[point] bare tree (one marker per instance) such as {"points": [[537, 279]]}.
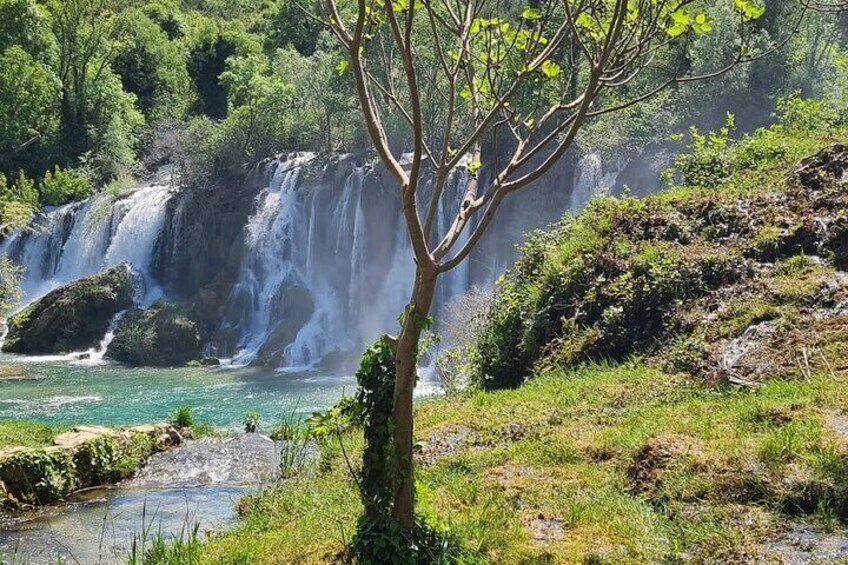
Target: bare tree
{"points": [[515, 82]]}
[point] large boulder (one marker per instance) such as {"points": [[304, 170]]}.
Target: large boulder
{"points": [[72, 317], [293, 307], [163, 335]]}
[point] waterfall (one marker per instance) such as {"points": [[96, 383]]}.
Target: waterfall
{"points": [[81, 239], [327, 266], [591, 181], [307, 262]]}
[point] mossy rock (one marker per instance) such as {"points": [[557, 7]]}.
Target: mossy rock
{"points": [[72, 317], [44, 475], [163, 335]]}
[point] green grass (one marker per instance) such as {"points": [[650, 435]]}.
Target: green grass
{"points": [[617, 464], [27, 434]]}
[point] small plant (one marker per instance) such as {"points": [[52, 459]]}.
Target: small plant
{"points": [[251, 421], [203, 430], [181, 418], [155, 548], [293, 452], [380, 539], [294, 436], [338, 419]]}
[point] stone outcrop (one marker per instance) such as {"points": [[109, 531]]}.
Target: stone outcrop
{"points": [[829, 164], [293, 306], [84, 457], [72, 317], [163, 335]]}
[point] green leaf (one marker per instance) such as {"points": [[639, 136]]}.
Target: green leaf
{"points": [[681, 17], [677, 29], [531, 14], [474, 166], [585, 20], [342, 66], [550, 69], [750, 9]]}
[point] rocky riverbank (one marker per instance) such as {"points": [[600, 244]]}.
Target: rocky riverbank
{"points": [[84, 457]]}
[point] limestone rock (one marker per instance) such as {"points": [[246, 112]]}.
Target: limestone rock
{"points": [[163, 335], [79, 435], [72, 317]]}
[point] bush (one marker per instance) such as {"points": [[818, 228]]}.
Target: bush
{"points": [[603, 286], [707, 160], [61, 186], [381, 540]]}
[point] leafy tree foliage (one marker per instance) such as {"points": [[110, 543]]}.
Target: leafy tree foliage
{"points": [[152, 67], [30, 96], [290, 27]]}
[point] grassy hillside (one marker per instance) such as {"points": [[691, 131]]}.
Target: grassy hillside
{"points": [[675, 385]]}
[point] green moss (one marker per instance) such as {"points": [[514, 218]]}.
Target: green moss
{"points": [[43, 475], [740, 315], [162, 335]]}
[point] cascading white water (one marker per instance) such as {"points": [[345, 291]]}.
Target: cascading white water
{"points": [[81, 239], [591, 181], [344, 245], [325, 265]]}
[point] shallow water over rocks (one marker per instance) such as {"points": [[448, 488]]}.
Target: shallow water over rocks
{"points": [[198, 484]]}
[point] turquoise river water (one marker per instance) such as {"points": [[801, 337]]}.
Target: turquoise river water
{"points": [[200, 486], [57, 391]]}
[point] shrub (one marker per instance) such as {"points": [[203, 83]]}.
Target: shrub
{"points": [[61, 186], [602, 286], [182, 418], [380, 539], [707, 160]]}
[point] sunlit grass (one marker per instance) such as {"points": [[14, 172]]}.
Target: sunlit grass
{"points": [[27, 434], [546, 472]]}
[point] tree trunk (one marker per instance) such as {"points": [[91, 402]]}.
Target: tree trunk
{"points": [[406, 359]]}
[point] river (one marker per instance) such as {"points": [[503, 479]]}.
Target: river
{"points": [[195, 485]]}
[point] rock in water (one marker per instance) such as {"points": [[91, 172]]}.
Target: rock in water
{"points": [[163, 335], [72, 317], [292, 306]]}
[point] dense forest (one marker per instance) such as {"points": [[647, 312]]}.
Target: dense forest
{"points": [[94, 91]]}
